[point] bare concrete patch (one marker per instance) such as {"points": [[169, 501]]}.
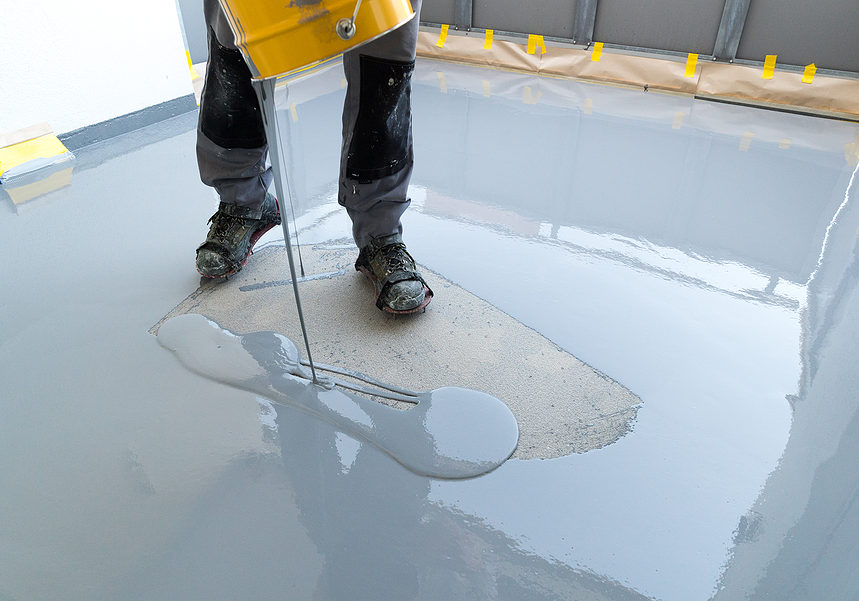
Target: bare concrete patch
{"points": [[562, 405]]}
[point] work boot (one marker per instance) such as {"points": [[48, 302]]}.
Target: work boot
{"points": [[399, 286], [233, 232]]}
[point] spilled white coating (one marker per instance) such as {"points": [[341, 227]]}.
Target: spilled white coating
{"points": [[450, 432]]}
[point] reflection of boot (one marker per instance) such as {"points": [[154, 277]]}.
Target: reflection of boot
{"points": [[399, 286], [233, 232]]}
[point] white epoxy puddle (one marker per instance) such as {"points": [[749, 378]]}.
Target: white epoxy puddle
{"points": [[449, 433]]}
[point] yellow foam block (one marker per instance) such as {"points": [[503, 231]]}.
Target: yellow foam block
{"points": [[55, 181], [43, 147]]}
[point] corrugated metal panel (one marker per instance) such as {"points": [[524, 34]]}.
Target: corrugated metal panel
{"points": [[546, 17], [438, 11], [681, 25], [824, 32]]}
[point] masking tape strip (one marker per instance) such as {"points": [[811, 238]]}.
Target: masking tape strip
{"points": [[691, 63], [534, 42], [597, 53], [191, 69], [487, 41], [769, 66], [442, 82], [442, 38], [43, 147], [528, 96], [808, 74]]}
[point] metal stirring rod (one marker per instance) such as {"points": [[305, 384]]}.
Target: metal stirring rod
{"points": [[265, 92]]}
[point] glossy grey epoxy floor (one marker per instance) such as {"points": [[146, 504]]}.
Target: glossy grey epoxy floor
{"points": [[702, 255]]}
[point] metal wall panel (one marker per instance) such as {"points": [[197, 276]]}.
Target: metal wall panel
{"points": [[195, 28], [544, 17], [438, 11], [681, 25], [823, 32]]}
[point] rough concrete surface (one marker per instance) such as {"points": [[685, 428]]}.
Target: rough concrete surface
{"points": [[562, 405]]}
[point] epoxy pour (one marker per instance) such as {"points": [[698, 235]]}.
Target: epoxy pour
{"points": [[449, 433]]}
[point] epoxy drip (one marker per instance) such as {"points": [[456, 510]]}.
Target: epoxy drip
{"points": [[450, 433]]}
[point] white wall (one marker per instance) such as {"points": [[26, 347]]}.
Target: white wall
{"points": [[77, 63]]}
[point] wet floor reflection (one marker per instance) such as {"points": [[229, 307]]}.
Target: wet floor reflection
{"points": [[669, 243], [449, 432], [703, 255], [327, 518]]}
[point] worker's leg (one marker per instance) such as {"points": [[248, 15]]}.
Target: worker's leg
{"points": [[231, 144], [376, 164], [376, 160], [231, 154]]}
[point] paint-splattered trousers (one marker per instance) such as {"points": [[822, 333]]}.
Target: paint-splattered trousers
{"points": [[376, 158]]}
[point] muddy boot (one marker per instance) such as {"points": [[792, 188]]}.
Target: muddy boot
{"points": [[233, 232], [399, 286]]}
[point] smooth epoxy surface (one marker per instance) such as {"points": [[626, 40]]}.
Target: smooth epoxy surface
{"points": [[449, 432], [703, 255]]}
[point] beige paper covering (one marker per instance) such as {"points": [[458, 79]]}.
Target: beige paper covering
{"points": [[830, 96]]}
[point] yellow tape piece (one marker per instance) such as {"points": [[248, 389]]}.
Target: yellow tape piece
{"points": [[43, 147], [294, 112], [487, 41], [534, 42], [442, 38], [691, 63], [191, 69], [528, 96], [487, 90], [784, 143], [442, 82], [769, 66], [678, 120], [597, 53], [851, 152], [808, 74], [746, 141]]}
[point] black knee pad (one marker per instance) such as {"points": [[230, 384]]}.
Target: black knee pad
{"points": [[229, 110], [381, 140]]}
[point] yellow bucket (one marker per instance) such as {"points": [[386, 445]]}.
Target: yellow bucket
{"points": [[278, 37]]}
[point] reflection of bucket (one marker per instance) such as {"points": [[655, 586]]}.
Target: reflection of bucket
{"points": [[278, 37]]}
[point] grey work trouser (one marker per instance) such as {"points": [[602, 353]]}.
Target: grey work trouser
{"points": [[376, 156]]}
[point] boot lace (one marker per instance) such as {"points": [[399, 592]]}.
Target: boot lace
{"points": [[397, 258], [224, 226]]}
